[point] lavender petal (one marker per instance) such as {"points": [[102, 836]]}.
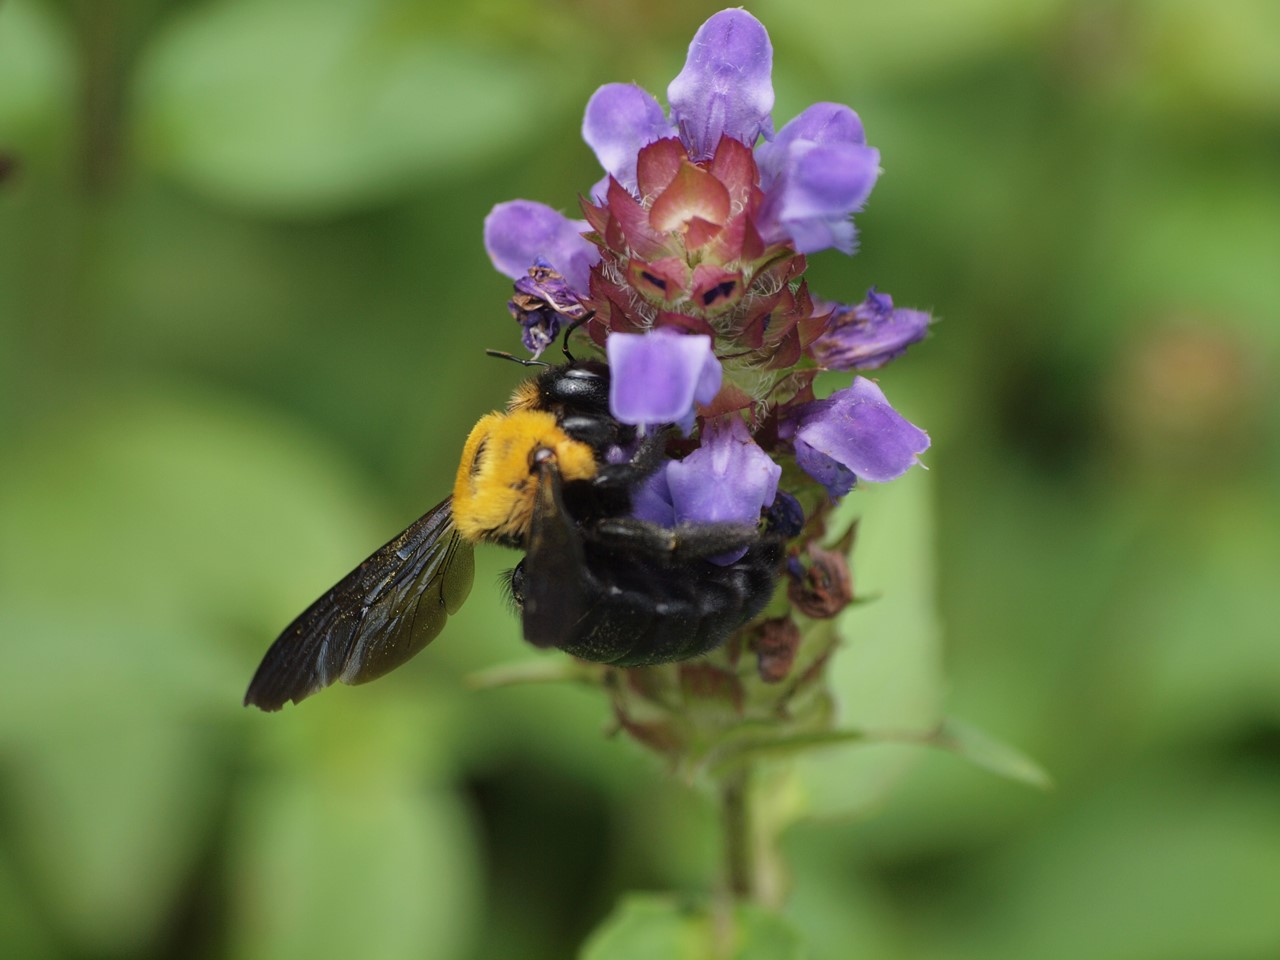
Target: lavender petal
{"points": [[728, 479], [725, 86], [853, 433], [520, 232], [656, 377], [821, 124], [817, 188], [620, 119]]}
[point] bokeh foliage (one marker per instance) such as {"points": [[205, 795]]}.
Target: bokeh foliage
{"points": [[243, 303]]}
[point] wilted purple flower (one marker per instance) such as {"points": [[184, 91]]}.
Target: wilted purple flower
{"points": [[868, 335], [657, 377], [853, 434], [519, 233], [542, 302]]}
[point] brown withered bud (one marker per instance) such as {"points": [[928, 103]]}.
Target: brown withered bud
{"points": [[825, 587], [775, 643], [8, 165]]}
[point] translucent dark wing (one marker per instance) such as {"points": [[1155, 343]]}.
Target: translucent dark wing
{"points": [[377, 617], [554, 585]]}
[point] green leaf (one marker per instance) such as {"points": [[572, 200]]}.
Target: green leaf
{"points": [[646, 926], [989, 753], [304, 108]]}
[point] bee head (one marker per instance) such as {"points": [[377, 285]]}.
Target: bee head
{"points": [[497, 481]]}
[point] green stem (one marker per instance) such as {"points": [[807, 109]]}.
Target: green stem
{"points": [[739, 840]]}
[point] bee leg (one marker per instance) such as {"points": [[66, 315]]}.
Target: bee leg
{"points": [[705, 540], [693, 541], [649, 455]]}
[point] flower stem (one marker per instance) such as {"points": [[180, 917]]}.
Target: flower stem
{"points": [[739, 842]]}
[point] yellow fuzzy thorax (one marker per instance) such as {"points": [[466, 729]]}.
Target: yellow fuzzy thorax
{"points": [[527, 396], [497, 482]]}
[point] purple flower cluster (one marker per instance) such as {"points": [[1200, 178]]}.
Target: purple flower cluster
{"points": [[688, 269]]}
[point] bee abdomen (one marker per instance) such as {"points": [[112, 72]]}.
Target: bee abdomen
{"points": [[638, 615]]}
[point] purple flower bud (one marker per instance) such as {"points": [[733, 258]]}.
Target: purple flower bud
{"points": [[853, 434], [520, 232], [817, 172], [868, 335], [725, 86], [620, 119], [657, 377]]}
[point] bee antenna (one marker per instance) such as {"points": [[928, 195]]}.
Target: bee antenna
{"points": [[584, 319], [503, 355]]}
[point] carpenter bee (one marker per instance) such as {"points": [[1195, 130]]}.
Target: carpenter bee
{"points": [[594, 581]]}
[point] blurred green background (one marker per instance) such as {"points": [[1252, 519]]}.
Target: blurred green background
{"points": [[243, 303]]}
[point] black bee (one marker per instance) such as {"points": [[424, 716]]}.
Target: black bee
{"points": [[594, 581]]}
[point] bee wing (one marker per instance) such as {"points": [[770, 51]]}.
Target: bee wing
{"points": [[375, 618], [554, 590]]}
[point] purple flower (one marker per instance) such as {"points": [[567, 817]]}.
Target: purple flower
{"points": [[519, 233], [853, 434], [868, 335], [725, 86], [813, 176], [657, 377], [816, 173]]}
